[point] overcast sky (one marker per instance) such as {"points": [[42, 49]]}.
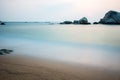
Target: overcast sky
{"points": [[55, 10]]}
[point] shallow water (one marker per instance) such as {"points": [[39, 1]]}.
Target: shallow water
{"points": [[96, 45]]}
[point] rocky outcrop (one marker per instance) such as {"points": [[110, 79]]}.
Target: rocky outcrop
{"points": [[111, 17], [5, 51], [66, 22], [95, 22], [84, 20], [76, 22], [2, 23]]}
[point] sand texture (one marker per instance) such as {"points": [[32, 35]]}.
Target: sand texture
{"points": [[22, 68]]}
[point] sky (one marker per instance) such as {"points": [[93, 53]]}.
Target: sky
{"points": [[55, 10]]}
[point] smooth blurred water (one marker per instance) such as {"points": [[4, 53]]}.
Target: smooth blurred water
{"points": [[97, 45]]}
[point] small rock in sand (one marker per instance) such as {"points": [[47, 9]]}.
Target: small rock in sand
{"points": [[5, 51]]}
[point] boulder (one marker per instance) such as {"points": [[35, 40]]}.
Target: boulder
{"points": [[66, 22], [2, 23], [1, 52], [5, 51], [95, 23], [111, 17], [84, 20], [76, 22]]}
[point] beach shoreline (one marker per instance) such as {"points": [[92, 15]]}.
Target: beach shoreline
{"points": [[14, 67]]}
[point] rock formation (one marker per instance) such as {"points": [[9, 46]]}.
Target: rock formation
{"points": [[2, 23], [111, 17], [5, 51], [66, 22], [76, 22], [95, 22], [84, 20]]}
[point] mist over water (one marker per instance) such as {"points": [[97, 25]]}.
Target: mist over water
{"points": [[96, 45]]}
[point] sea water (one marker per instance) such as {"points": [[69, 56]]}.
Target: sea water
{"points": [[96, 45]]}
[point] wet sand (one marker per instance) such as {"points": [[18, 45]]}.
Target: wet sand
{"points": [[14, 67]]}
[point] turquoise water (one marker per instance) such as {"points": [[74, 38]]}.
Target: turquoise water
{"points": [[96, 45]]}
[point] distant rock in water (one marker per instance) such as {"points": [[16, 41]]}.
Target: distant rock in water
{"points": [[111, 17], [84, 20], [66, 22], [76, 22], [5, 51], [2, 23], [96, 23]]}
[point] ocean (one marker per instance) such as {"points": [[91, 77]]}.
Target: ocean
{"points": [[94, 45]]}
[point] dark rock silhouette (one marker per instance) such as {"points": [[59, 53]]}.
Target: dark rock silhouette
{"points": [[66, 22], [1, 53], [76, 22], [111, 17], [2, 23], [84, 20], [96, 23], [5, 51]]}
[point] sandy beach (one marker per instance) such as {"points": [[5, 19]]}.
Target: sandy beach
{"points": [[24, 68], [59, 40]]}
